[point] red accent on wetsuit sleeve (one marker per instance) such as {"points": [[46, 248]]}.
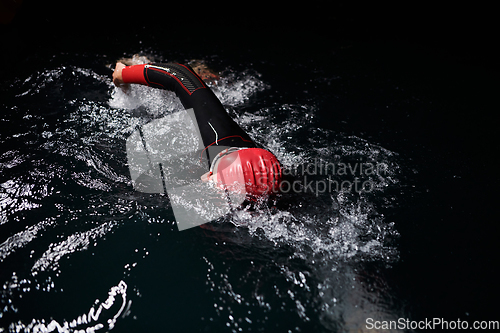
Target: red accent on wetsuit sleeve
{"points": [[134, 74]]}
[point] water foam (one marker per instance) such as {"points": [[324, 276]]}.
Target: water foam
{"points": [[339, 223], [88, 322], [336, 226]]}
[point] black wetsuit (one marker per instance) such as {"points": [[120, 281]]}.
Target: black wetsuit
{"points": [[218, 130]]}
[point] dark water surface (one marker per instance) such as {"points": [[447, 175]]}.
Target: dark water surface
{"points": [[80, 250]]}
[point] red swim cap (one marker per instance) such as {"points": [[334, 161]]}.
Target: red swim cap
{"points": [[253, 171]]}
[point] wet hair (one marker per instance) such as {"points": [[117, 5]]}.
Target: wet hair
{"points": [[206, 73]]}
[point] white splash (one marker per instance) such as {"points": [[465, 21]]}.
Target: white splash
{"points": [[88, 322]]}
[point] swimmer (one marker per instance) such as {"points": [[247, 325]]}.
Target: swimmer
{"points": [[236, 162]]}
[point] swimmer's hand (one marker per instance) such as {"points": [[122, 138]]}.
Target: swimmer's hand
{"points": [[117, 75]]}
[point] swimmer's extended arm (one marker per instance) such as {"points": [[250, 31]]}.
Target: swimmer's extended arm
{"points": [[174, 77]]}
